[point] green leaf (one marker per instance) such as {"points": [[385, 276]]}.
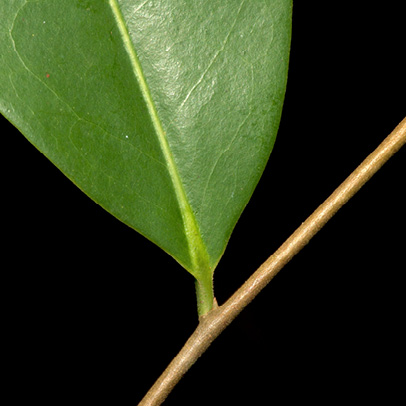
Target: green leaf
{"points": [[163, 112]]}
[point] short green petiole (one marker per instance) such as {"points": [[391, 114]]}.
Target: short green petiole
{"points": [[205, 295]]}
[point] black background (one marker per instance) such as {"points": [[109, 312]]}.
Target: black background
{"points": [[94, 312]]}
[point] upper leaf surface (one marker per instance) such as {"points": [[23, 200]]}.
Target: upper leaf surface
{"points": [[164, 112]]}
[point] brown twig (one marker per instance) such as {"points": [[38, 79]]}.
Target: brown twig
{"points": [[218, 319]]}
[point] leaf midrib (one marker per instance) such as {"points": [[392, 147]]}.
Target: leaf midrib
{"points": [[197, 249]]}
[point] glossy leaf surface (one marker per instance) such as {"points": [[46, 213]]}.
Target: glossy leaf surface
{"points": [[163, 112]]}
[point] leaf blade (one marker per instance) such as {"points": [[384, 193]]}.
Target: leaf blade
{"points": [[154, 150]]}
